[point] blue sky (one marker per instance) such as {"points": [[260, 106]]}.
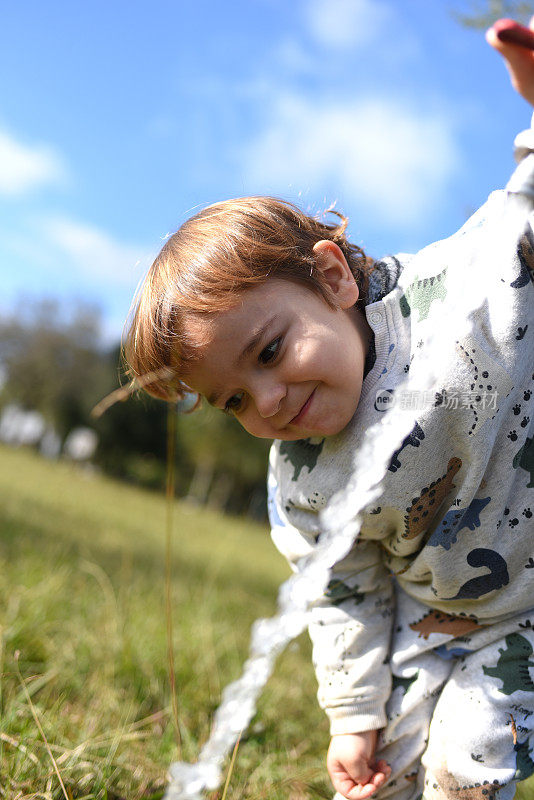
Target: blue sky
{"points": [[119, 119]]}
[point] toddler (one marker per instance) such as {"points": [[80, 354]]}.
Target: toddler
{"points": [[424, 641]]}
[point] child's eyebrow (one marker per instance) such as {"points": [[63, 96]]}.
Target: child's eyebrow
{"points": [[256, 338]]}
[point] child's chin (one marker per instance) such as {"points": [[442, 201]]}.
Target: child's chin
{"points": [[334, 426], [321, 432]]}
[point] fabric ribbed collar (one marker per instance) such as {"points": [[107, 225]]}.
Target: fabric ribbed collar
{"points": [[382, 281], [383, 278]]}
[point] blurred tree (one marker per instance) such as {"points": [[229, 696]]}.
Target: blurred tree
{"points": [[52, 360], [132, 435], [230, 464], [217, 462], [483, 13]]}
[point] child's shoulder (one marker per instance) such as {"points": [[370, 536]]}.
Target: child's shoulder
{"points": [[454, 250]]}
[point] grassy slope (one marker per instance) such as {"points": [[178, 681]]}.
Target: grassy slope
{"points": [[82, 599], [81, 588]]}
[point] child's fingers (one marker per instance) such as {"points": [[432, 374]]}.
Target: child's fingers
{"points": [[519, 61], [348, 783], [361, 791], [383, 771], [351, 790]]}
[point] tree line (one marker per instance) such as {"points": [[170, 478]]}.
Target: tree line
{"points": [[52, 361]]}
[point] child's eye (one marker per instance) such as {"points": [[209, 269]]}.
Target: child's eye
{"points": [[234, 403], [270, 352]]}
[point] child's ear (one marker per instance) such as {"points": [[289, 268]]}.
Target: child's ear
{"points": [[332, 263]]}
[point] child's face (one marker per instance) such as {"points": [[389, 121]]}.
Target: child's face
{"points": [[283, 362]]}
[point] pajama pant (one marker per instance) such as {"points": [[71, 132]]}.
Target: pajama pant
{"points": [[461, 711]]}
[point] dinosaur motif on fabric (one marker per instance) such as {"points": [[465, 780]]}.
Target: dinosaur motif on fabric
{"points": [[525, 255], [421, 293], [435, 621], [423, 508], [524, 765], [446, 786], [414, 438], [524, 458], [301, 453], [337, 592], [445, 533], [316, 500], [512, 667], [455, 520], [489, 383], [471, 518], [449, 653], [495, 579], [404, 682]]}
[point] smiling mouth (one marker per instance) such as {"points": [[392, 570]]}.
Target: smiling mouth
{"points": [[303, 411]]}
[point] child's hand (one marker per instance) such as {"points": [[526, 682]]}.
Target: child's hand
{"points": [[519, 61], [352, 767]]}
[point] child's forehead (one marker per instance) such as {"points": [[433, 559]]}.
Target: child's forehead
{"points": [[199, 331], [249, 311]]}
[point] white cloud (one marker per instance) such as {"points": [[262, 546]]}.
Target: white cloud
{"points": [[94, 253], [24, 168], [58, 256], [385, 157], [348, 23]]}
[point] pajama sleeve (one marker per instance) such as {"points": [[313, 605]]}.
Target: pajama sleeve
{"points": [[350, 626]]}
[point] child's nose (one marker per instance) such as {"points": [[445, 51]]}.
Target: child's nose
{"points": [[268, 398]]}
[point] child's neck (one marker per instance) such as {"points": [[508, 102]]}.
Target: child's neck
{"points": [[368, 340]]}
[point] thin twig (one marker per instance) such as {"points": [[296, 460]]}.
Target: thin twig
{"points": [[39, 726]]}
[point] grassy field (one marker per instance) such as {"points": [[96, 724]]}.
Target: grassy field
{"points": [[84, 642], [84, 686]]}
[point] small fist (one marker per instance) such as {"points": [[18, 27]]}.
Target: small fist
{"points": [[352, 767]]}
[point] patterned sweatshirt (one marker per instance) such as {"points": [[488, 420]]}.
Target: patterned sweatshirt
{"points": [[455, 522]]}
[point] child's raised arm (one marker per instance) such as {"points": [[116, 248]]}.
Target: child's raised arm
{"points": [[516, 44]]}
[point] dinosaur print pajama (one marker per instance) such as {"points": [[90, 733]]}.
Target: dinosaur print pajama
{"points": [[425, 631], [460, 715]]}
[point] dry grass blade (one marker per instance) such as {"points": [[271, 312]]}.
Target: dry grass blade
{"points": [[158, 716], [171, 441], [231, 767], [103, 741], [39, 726], [123, 392], [19, 746], [132, 733]]}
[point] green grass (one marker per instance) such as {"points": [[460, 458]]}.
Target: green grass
{"points": [[83, 643], [82, 599]]}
